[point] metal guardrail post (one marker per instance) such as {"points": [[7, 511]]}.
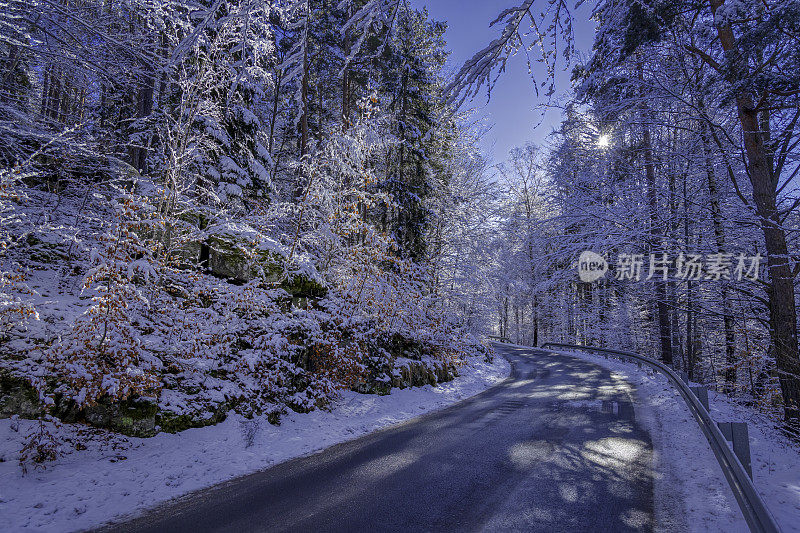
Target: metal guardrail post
{"points": [[739, 475], [736, 433], [741, 445], [702, 395]]}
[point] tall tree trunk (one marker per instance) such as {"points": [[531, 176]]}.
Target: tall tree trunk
{"points": [[144, 107], [274, 116], [51, 95], [304, 97], [46, 80], [346, 79], [783, 326], [345, 99], [677, 347], [691, 360], [662, 309], [719, 237], [300, 186], [8, 89]]}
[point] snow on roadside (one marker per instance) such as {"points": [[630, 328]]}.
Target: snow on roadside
{"points": [[125, 475], [688, 474], [775, 460]]}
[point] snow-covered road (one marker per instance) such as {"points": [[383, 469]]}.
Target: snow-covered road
{"points": [[556, 448]]}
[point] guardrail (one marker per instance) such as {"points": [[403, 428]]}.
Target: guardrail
{"points": [[755, 512]]}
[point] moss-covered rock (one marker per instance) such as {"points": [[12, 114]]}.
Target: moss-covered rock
{"points": [[18, 397], [381, 388], [401, 346], [228, 260], [172, 422], [420, 373], [135, 417], [42, 251], [302, 287], [444, 372]]}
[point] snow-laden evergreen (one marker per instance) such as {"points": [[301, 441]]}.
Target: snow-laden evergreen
{"points": [[216, 206]]}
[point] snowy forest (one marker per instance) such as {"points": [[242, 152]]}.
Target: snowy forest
{"points": [[217, 205], [229, 205], [680, 142]]}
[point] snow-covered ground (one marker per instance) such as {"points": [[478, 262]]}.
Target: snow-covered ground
{"points": [[118, 476], [691, 491]]}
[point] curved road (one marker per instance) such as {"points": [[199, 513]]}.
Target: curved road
{"points": [[553, 448]]}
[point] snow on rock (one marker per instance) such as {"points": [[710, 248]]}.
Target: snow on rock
{"points": [[691, 492], [117, 476]]}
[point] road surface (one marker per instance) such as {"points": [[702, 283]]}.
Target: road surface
{"points": [[555, 447]]}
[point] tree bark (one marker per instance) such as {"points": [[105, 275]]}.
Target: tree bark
{"points": [[691, 360], [719, 236], [346, 81], [783, 326], [8, 90], [144, 106], [304, 97], [655, 234]]}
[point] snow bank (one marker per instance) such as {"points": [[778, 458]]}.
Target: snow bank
{"points": [[691, 492], [117, 476]]}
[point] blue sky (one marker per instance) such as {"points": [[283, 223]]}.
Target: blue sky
{"points": [[512, 108]]}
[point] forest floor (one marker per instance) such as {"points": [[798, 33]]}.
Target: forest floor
{"points": [[689, 474], [121, 476]]}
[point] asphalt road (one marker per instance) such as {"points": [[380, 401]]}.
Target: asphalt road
{"points": [[553, 448]]}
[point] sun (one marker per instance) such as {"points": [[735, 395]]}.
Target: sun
{"points": [[603, 141]]}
